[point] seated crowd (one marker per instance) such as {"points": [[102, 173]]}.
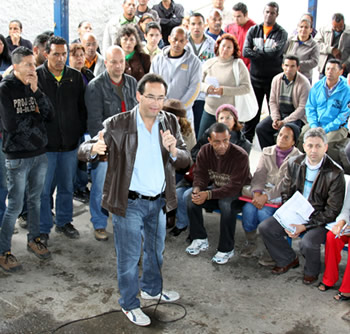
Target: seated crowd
{"points": [[207, 74]]}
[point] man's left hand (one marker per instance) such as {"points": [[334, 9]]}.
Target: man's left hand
{"points": [[200, 197], [298, 230], [169, 142]]}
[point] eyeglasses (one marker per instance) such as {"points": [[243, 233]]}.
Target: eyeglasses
{"points": [[155, 98]]}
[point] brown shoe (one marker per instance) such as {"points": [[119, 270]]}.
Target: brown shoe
{"points": [[281, 270], [309, 279], [101, 234], [8, 262], [38, 249]]}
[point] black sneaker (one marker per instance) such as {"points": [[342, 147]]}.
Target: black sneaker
{"points": [[68, 230], [44, 238], [82, 196]]}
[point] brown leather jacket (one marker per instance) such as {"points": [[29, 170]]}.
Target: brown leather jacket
{"points": [[121, 139], [327, 192]]}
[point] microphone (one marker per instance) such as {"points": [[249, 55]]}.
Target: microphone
{"points": [[161, 118]]}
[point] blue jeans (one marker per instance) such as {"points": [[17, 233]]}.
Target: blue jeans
{"points": [[147, 219], [206, 121], [61, 167], [81, 177], [198, 107], [21, 174], [181, 213], [3, 185], [99, 215], [252, 217]]}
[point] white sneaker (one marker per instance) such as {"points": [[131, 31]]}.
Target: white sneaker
{"points": [[167, 296], [197, 246], [222, 258], [137, 317]]}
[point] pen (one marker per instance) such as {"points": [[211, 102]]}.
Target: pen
{"points": [[341, 231]]}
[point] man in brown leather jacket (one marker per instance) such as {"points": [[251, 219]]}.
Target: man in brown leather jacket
{"points": [[319, 179], [144, 148]]}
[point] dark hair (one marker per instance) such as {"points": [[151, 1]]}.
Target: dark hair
{"points": [[19, 53], [335, 61], [54, 40], [82, 22], [198, 15], [152, 78], [240, 7], [5, 56], [291, 57], [337, 17], [49, 33], [41, 40], [218, 128], [152, 25], [236, 51], [274, 5], [128, 30], [18, 22]]}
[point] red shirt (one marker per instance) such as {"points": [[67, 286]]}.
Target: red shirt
{"points": [[240, 32]]}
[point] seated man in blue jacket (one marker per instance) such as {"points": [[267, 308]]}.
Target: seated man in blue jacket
{"points": [[327, 107]]}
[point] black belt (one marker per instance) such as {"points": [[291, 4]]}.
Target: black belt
{"points": [[135, 195]]}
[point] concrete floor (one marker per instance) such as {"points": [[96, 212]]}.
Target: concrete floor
{"points": [[239, 298]]}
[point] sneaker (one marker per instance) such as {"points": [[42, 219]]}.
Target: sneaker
{"points": [[137, 317], [167, 296], [8, 262], [22, 221], [101, 234], [222, 258], [39, 249], [197, 246], [68, 230], [82, 196], [44, 238]]}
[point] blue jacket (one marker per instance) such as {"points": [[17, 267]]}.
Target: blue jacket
{"points": [[330, 113]]}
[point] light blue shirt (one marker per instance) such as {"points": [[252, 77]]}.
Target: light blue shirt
{"points": [[310, 177], [148, 177]]}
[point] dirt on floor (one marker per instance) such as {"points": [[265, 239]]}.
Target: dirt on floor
{"points": [[80, 282]]}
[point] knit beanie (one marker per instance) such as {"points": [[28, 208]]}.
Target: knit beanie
{"points": [[228, 107], [294, 128]]}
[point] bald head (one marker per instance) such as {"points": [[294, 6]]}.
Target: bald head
{"points": [[178, 30], [90, 44], [115, 62]]}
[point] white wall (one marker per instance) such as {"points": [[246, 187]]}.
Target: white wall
{"points": [[37, 15]]}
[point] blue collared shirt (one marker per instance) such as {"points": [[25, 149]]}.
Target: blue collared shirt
{"points": [[148, 177], [329, 92]]}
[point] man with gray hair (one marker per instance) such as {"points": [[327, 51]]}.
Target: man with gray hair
{"points": [[111, 93], [180, 68], [321, 181]]}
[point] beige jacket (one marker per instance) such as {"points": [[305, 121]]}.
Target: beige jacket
{"points": [[268, 177], [299, 97], [324, 39]]}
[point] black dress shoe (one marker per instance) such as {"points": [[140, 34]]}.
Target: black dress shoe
{"points": [[177, 231]]}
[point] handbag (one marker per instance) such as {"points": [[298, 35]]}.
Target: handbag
{"points": [[246, 105]]}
